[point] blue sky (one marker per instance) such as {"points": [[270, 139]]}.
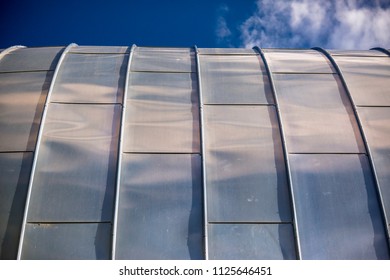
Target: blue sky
{"points": [[346, 24]]}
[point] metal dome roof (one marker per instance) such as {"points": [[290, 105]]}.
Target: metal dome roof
{"points": [[194, 153]]}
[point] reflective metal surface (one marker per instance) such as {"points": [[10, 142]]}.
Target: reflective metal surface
{"points": [[317, 114], [31, 59], [337, 207], [67, 242], [76, 167], [297, 61], [148, 121], [178, 88], [251, 242], [224, 51], [368, 79], [152, 160], [14, 175], [234, 79], [356, 53], [90, 78], [160, 207], [376, 126], [99, 49], [163, 60], [246, 177], [22, 97]]}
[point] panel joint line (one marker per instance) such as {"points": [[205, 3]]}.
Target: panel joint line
{"points": [[120, 155], [202, 134], [383, 50]]}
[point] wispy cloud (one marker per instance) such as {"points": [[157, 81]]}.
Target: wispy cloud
{"points": [[344, 24], [222, 31]]}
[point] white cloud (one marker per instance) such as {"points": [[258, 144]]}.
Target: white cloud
{"points": [[344, 24], [222, 31]]}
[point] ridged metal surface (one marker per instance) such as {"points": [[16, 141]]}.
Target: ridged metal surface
{"points": [[194, 153]]}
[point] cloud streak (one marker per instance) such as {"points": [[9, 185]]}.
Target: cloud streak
{"points": [[335, 24], [222, 31]]}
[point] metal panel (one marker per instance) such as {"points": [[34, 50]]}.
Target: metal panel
{"points": [[67, 242], [317, 114], [99, 49], [356, 53], [180, 88], [14, 175], [251, 242], [90, 78], [164, 50], [234, 79], [160, 126], [368, 79], [21, 104], [227, 51], [160, 207], [163, 60], [337, 207], [297, 61], [76, 166], [246, 177], [376, 126], [31, 59]]}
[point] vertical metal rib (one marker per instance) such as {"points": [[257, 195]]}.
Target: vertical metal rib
{"points": [[37, 146], [10, 49], [119, 164], [285, 152], [367, 147], [205, 223], [381, 50]]}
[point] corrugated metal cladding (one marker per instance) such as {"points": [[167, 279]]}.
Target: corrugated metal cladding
{"points": [[187, 153]]}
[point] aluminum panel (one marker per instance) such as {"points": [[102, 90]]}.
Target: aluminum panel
{"points": [[376, 126], [297, 61], [337, 208], [76, 167], [90, 78], [22, 99], [161, 127], [368, 79], [180, 88], [160, 207], [356, 53], [234, 79], [14, 177], [165, 50], [251, 242], [317, 114], [67, 242], [246, 177], [227, 51], [163, 60], [31, 59], [99, 49]]}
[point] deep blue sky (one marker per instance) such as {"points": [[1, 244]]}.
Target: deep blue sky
{"points": [[145, 23], [346, 24]]}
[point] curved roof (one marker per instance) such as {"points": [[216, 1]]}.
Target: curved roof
{"points": [[194, 153]]}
